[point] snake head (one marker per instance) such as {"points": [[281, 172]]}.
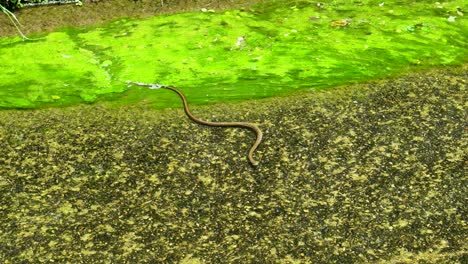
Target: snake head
{"points": [[155, 86]]}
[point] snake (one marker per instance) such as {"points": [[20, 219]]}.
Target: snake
{"points": [[187, 111]]}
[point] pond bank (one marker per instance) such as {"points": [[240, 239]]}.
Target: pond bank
{"points": [[50, 18], [367, 173]]}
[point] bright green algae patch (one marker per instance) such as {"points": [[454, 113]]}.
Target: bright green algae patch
{"points": [[50, 70], [267, 50]]}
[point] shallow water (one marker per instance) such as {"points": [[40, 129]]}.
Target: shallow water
{"points": [[267, 50]]}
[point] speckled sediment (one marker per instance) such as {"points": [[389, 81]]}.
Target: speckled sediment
{"points": [[368, 173]]}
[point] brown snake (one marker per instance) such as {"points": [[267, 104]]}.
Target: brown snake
{"points": [[251, 126]]}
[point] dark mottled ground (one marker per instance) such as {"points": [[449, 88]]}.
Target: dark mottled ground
{"points": [[368, 173]]}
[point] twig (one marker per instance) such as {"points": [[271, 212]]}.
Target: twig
{"points": [[14, 20]]}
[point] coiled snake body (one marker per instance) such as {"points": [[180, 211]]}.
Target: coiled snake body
{"points": [[248, 125]]}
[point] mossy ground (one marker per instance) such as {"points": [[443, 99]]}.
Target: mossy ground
{"points": [[368, 173]]}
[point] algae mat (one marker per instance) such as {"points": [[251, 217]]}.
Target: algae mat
{"points": [[272, 48], [368, 173]]}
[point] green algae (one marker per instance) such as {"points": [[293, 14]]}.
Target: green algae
{"points": [[286, 46]]}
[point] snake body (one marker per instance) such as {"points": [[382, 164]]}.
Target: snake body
{"points": [[247, 125]]}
